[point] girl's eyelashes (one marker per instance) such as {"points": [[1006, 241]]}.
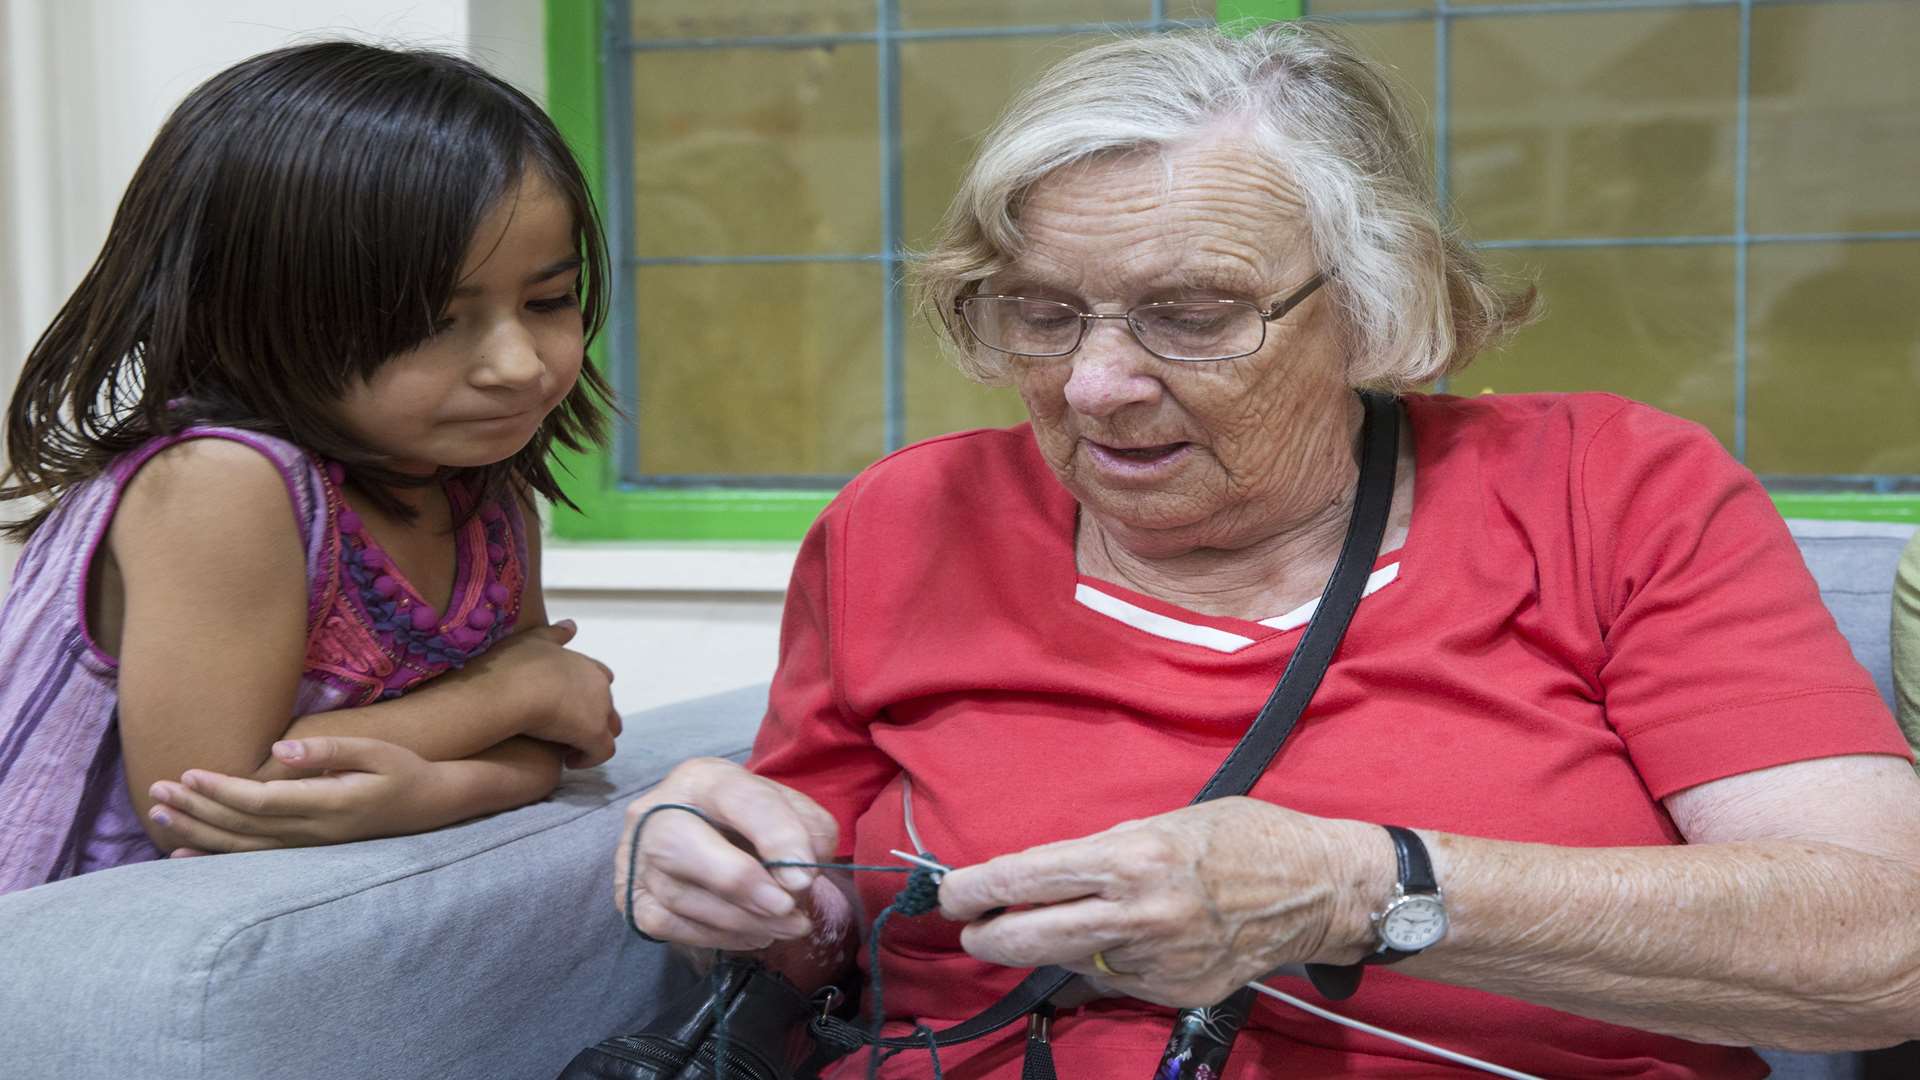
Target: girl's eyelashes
{"points": [[543, 306]]}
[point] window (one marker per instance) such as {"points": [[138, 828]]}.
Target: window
{"points": [[1706, 191]]}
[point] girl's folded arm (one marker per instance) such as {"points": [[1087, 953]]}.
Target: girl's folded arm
{"points": [[520, 769], [212, 609], [527, 685], [497, 696], [209, 626], [369, 788], [514, 773]]}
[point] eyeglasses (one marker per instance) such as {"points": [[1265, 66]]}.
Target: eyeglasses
{"points": [[1186, 331]]}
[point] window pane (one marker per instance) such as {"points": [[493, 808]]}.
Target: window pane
{"points": [[1834, 358], [931, 14], [656, 19], [765, 370], [1345, 7], [1614, 124], [755, 151], [951, 92], [1207, 10], [1650, 323], [1405, 47], [1835, 118], [940, 399], [1564, 124]]}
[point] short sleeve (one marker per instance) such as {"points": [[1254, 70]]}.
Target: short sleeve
{"points": [[1720, 657], [1906, 641], [810, 740]]}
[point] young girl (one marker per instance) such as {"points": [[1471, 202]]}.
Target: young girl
{"points": [[282, 444]]}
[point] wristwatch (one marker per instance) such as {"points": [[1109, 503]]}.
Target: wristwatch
{"points": [[1415, 917]]}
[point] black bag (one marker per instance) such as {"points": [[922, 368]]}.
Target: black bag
{"points": [[774, 1034], [766, 1033]]}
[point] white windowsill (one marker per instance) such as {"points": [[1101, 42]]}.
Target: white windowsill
{"points": [[655, 567]]}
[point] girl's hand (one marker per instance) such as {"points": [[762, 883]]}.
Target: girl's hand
{"points": [[693, 885], [569, 694], [1185, 906], [370, 788]]}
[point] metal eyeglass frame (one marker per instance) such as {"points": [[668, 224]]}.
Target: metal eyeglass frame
{"points": [[1293, 300]]}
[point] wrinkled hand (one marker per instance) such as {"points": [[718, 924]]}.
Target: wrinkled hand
{"points": [[693, 885], [369, 788], [571, 700], [1186, 906]]}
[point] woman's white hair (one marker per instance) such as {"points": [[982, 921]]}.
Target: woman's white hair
{"points": [[1416, 301]]}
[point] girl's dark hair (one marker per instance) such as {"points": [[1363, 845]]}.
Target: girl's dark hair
{"points": [[301, 218]]}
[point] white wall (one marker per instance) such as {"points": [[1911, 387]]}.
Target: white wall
{"points": [[668, 644], [84, 84], [508, 38], [673, 621]]}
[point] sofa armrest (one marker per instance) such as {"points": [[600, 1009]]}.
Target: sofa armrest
{"points": [[488, 949], [1787, 1065]]}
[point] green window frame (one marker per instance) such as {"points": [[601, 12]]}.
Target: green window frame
{"points": [[611, 509]]}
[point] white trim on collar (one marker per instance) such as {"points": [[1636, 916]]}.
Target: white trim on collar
{"points": [[1208, 637], [1376, 581]]}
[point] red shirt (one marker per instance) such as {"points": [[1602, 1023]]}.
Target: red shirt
{"points": [[1595, 608]]}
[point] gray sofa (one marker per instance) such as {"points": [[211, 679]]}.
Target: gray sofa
{"points": [[489, 951]]}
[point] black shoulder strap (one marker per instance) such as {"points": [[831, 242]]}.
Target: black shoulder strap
{"points": [[1380, 444], [1373, 500]]}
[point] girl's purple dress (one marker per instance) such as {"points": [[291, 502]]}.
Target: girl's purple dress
{"points": [[64, 802]]}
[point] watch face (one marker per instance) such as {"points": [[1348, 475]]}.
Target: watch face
{"points": [[1414, 923]]}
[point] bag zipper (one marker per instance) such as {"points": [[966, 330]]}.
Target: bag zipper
{"points": [[654, 1052], [737, 1063]]}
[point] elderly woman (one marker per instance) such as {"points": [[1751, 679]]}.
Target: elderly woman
{"points": [[1667, 813]]}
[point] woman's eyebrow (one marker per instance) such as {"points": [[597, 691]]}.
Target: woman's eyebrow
{"points": [[1209, 281], [1013, 280]]}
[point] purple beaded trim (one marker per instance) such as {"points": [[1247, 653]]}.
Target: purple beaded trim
{"points": [[414, 628]]}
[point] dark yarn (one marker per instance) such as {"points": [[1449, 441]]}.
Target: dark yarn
{"points": [[933, 1052], [920, 895], [922, 891]]}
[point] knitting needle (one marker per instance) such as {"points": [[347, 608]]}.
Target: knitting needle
{"points": [[928, 864], [920, 861]]}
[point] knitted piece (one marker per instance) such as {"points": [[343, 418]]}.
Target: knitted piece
{"points": [[920, 895]]}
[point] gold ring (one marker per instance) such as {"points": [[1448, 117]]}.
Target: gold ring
{"points": [[1100, 965]]}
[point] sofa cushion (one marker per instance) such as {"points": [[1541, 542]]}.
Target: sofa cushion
{"points": [[491, 949], [1853, 563]]}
